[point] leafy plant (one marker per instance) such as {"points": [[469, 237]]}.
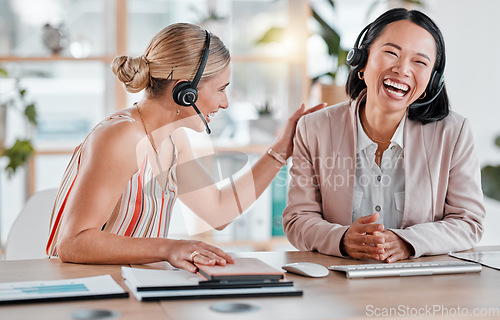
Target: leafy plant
{"points": [[332, 40], [22, 149], [332, 37], [265, 110], [18, 154], [329, 35], [490, 178], [212, 14]]}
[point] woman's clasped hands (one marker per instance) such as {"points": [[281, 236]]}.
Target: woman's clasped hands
{"points": [[366, 239]]}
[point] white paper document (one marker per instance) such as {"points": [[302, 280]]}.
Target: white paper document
{"points": [[147, 278], [60, 290]]}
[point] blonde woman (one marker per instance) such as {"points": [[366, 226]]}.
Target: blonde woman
{"points": [[117, 194]]}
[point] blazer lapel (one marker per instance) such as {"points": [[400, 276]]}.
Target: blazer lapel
{"points": [[418, 183], [344, 150]]}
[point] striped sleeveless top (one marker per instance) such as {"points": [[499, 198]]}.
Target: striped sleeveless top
{"points": [[145, 207]]}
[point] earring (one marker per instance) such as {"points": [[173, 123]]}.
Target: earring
{"points": [[422, 97], [361, 75], [178, 111]]}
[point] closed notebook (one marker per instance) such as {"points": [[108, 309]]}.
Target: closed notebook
{"points": [[155, 295], [179, 279], [243, 269], [152, 285]]}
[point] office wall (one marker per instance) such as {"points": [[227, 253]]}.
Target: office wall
{"points": [[471, 29]]}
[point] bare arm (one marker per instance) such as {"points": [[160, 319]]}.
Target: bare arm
{"points": [[107, 163], [217, 205]]}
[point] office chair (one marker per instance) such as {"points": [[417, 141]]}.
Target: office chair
{"points": [[29, 232]]}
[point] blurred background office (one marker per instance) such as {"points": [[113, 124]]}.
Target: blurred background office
{"points": [[56, 84]]}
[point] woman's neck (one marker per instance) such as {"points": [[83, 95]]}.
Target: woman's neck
{"points": [[380, 126], [159, 120], [157, 113]]}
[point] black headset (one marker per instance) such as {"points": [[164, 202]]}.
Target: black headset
{"points": [[358, 56], [185, 93]]}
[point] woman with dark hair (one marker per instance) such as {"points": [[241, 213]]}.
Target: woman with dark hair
{"points": [[391, 173]]}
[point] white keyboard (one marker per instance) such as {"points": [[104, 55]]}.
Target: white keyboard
{"points": [[401, 269]]}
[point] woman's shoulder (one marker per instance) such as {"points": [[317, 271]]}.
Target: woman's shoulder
{"points": [[452, 122], [454, 119], [449, 130], [325, 115], [122, 122], [119, 131]]}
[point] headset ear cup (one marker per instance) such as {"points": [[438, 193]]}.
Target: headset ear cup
{"points": [[352, 57], [435, 83], [357, 57], [181, 91], [432, 84], [439, 82]]}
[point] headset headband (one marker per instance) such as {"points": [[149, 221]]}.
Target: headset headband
{"points": [[361, 36], [203, 62]]}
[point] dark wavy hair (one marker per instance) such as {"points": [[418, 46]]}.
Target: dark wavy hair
{"points": [[427, 113]]}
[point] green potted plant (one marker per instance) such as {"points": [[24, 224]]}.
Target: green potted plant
{"points": [[490, 178], [22, 149], [332, 41]]}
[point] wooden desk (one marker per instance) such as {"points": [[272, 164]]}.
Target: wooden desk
{"points": [[331, 297]]}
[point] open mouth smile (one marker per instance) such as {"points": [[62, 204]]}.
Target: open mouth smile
{"points": [[210, 115], [395, 88]]}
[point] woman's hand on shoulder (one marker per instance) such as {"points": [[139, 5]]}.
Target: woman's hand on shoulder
{"points": [[184, 253], [284, 145]]}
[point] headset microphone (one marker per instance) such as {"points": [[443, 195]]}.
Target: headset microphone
{"points": [[185, 93], [190, 99], [435, 86], [413, 105]]}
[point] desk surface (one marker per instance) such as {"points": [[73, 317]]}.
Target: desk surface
{"points": [[335, 296]]}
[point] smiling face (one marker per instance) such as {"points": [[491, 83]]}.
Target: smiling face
{"points": [[211, 97], [399, 66]]}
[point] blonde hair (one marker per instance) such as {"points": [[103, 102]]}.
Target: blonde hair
{"points": [[173, 54]]}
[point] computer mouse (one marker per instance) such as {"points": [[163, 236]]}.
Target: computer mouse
{"points": [[307, 269]]}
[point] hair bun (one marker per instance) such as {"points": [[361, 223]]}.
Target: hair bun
{"points": [[133, 72]]}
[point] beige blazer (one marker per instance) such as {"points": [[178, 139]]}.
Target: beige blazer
{"points": [[443, 198]]}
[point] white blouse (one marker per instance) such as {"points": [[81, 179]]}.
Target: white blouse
{"points": [[380, 189]]}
